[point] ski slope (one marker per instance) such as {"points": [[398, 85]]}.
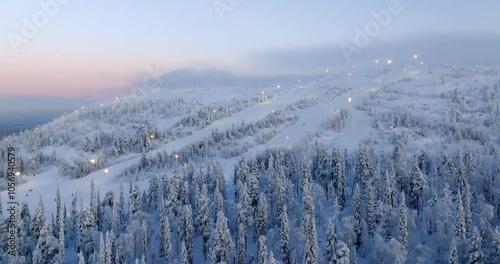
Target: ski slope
{"points": [[311, 121]]}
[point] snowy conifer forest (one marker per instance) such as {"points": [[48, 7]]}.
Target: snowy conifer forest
{"points": [[370, 165]]}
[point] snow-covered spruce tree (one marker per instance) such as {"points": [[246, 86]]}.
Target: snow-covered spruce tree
{"points": [[262, 250], [88, 233], [120, 211], [135, 200], [280, 196], [58, 208], [81, 258], [417, 184], [165, 240], [343, 253], [62, 242], [222, 243], [311, 246], [467, 209], [144, 240], [184, 254], [46, 250], [188, 230], [203, 217], [244, 216], [285, 238], [102, 251], [219, 200], [38, 220], [400, 167], [370, 209], [241, 245], [495, 251], [390, 185], [460, 230], [341, 180], [261, 217], [357, 214], [331, 256], [272, 260], [324, 169], [454, 259], [476, 255], [109, 250], [403, 226]]}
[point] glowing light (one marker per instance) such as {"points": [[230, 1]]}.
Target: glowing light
{"points": [[63, 116], [106, 171], [349, 99], [214, 110], [422, 62], [389, 61], [349, 74], [278, 86], [102, 104], [287, 137], [83, 107], [176, 156], [378, 80], [404, 69], [117, 98], [261, 92], [151, 136], [17, 173], [76, 111], [92, 161], [415, 56], [376, 61], [327, 70]]}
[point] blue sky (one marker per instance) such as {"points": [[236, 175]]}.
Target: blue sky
{"points": [[93, 49]]}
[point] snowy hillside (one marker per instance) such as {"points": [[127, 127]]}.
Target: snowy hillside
{"points": [[370, 165]]}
